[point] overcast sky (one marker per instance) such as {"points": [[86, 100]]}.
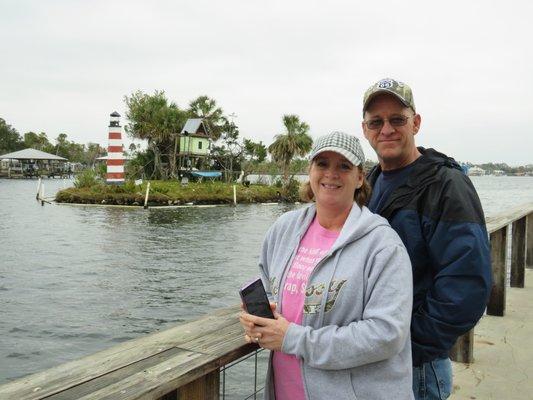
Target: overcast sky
{"points": [[66, 65]]}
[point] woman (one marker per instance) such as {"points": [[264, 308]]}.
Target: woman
{"points": [[341, 279]]}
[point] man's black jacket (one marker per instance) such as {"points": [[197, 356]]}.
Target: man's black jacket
{"points": [[438, 215]]}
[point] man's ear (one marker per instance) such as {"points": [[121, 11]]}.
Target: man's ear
{"points": [[417, 121]]}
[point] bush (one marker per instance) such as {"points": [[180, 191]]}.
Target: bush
{"points": [[85, 179], [291, 192]]}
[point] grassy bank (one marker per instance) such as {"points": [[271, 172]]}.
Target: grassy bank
{"points": [[168, 193]]}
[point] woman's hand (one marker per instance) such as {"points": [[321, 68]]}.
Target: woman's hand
{"points": [[266, 332]]}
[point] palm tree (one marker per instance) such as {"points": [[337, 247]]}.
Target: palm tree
{"points": [[154, 119], [213, 116], [295, 142]]}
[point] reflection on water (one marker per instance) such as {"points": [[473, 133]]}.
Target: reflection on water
{"points": [[75, 280]]}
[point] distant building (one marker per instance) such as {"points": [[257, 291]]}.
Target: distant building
{"points": [[33, 163], [476, 171], [498, 172]]}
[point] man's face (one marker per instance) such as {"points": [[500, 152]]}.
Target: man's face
{"points": [[394, 145]]}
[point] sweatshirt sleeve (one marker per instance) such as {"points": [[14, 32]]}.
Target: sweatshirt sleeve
{"points": [[458, 246], [264, 262], [380, 334]]}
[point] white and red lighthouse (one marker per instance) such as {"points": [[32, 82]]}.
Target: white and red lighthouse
{"points": [[115, 152]]}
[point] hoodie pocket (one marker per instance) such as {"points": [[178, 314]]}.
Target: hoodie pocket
{"points": [[329, 384]]}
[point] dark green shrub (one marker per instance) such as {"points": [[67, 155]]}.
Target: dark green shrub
{"points": [[85, 179]]}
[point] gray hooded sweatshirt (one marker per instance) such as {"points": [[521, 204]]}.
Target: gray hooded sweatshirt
{"points": [[354, 339]]}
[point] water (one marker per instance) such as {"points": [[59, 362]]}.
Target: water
{"points": [[75, 280]]}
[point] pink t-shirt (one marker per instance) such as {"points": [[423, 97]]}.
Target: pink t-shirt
{"points": [[314, 245]]}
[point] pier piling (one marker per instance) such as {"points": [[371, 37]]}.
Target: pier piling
{"points": [[38, 189], [518, 253], [529, 241], [42, 194], [498, 255], [146, 196]]}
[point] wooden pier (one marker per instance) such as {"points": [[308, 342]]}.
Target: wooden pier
{"points": [[520, 220], [184, 362]]}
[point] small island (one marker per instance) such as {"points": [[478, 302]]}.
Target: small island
{"points": [[172, 193]]}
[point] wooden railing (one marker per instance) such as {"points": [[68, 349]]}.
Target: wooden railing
{"points": [[520, 219], [179, 363], [184, 362]]}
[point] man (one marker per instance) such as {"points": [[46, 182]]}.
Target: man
{"points": [[435, 209]]}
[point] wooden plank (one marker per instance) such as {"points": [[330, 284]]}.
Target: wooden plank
{"points": [[62, 377], [463, 349], [96, 384], [502, 219], [206, 387], [529, 240], [157, 381], [518, 253], [217, 342], [498, 254], [226, 344]]}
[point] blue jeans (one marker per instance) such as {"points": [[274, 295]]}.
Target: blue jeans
{"points": [[433, 380]]}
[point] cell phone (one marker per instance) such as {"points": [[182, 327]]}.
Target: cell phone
{"points": [[255, 299]]}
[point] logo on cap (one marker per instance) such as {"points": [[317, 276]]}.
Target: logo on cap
{"points": [[385, 84]]}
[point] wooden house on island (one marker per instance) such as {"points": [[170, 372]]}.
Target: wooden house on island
{"points": [[195, 144]]}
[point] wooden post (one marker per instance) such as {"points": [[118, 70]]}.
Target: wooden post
{"points": [[529, 241], [170, 396], [518, 253], [38, 189], [234, 195], [498, 254], [463, 349], [42, 194], [204, 388], [146, 197]]}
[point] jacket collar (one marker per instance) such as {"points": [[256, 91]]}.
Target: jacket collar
{"points": [[423, 174]]}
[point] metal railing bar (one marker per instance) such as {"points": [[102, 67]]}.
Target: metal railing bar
{"points": [[224, 384], [255, 375], [240, 360], [254, 394]]}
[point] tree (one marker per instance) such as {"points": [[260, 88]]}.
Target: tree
{"points": [[10, 139], [255, 152], [62, 144], [152, 118], [38, 141], [92, 152], [228, 152], [295, 142], [213, 116]]}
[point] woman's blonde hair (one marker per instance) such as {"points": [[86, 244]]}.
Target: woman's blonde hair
{"points": [[361, 195]]}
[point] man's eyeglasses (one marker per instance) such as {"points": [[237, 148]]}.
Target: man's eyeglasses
{"points": [[396, 121]]}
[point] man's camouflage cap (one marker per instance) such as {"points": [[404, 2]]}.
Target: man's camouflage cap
{"points": [[394, 87]]}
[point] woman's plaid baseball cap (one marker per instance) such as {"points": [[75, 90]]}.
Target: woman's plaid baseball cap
{"points": [[341, 143]]}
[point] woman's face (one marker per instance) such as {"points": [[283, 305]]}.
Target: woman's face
{"points": [[333, 180]]}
